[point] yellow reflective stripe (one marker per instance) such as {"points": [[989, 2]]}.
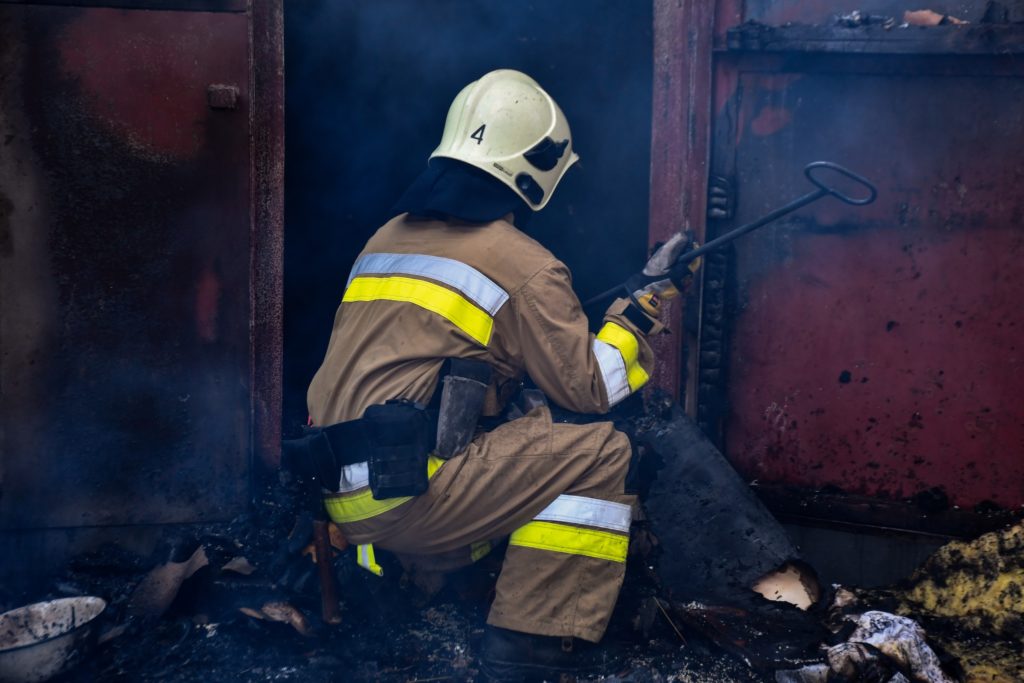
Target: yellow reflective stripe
{"points": [[627, 345], [476, 286], [479, 550], [433, 465], [367, 559], [613, 371], [574, 540], [359, 506], [450, 305]]}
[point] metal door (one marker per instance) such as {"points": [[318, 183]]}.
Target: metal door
{"points": [[139, 267]]}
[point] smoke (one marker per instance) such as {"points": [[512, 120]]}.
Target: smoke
{"points": [[368, 87]]}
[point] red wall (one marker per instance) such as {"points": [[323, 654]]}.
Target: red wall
{"points": [[878, 350]]}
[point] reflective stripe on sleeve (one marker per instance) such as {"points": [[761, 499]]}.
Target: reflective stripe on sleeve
{"points": [[590, 511], [613, 371], [573, 540], [628, 348], [454, 307], [476, 286], [362, 505]]}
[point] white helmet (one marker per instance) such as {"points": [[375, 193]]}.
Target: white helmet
{"points": [[505, 124]]}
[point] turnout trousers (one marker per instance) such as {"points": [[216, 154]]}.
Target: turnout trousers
{"points": [[556, 490]]}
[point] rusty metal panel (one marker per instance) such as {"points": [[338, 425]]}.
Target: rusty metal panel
{"points": [[971, 39], [680, 143], [878, 351], [124, 266], [193, 5], [267, 229], [778, 12]]}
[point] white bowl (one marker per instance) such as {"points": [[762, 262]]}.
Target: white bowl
{"points": [[41, 640]]}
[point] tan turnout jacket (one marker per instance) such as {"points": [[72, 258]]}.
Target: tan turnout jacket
{"points": [[426, 290]]}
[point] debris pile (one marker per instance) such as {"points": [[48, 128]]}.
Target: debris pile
{"points": [[241, 602], [878, 647], [927, 17], [857, 18], [921, 17], [970, 597]]}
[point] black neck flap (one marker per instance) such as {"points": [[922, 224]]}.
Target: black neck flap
{"points": [[451, 189]]}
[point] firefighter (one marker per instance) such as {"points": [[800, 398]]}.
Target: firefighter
{"points": [[451, 277]]}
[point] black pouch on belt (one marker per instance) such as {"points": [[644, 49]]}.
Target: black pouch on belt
{"points": [[401, 436]]}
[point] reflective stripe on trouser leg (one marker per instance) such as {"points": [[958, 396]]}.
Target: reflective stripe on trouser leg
{"points": [[560, 578], [366, 558], [564, 538], [589, 511], [354, 506], [561, 534]]}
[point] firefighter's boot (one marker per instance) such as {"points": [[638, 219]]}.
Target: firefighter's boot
{"points": [[515, 656]]}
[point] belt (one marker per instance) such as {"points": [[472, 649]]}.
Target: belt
{"points": [[323, 451]]}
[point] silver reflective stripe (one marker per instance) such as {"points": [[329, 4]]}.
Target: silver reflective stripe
{"points": [[354, 477], [590, 511], [613, 371], [473, 284]]}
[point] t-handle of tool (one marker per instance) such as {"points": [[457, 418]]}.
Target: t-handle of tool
{"points": [[813, 175], [824, 190], [810, 169]]}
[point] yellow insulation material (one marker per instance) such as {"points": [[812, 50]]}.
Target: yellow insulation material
{"points": [[980, 583], [986, 661], [970, 597]]}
